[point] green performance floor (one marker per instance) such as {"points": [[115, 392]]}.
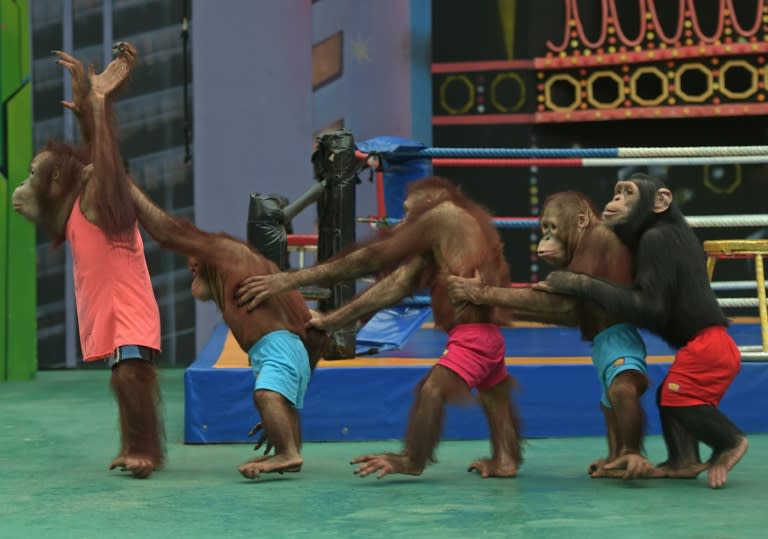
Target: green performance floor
{"points": [[58, 435]]}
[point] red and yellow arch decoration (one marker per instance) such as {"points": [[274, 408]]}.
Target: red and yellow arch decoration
{"points": [[667, 69]]}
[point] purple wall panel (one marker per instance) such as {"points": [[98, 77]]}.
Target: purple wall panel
{"points": [[255, 112], [252, 66]]}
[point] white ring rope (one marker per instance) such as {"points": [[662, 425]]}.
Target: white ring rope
{"points": [[734, 285], [747, 354], [705, 221], [671, 161], [737, 302], [693, 151]]}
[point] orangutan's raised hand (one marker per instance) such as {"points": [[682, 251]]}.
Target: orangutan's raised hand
{"points": [[117, 72], [103, 84], [80, 84], [90, 92]]}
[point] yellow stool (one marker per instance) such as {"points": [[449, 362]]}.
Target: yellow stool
{"points": [[730, 249]]}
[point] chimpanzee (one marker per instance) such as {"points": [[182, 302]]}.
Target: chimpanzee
{"points": [[671, 296]]}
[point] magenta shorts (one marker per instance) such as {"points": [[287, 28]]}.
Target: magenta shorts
{"points": [[476, 353]]}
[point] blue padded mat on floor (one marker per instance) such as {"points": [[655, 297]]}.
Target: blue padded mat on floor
{"points": [[350, 403]]}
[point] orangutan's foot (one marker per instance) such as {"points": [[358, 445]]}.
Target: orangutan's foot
{"points": [[271, 464], [633, 466], [494, 468], [265, 457], [596, 466], [139, 465]]}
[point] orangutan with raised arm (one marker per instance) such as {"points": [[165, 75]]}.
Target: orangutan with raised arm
{"points": [[82, 195], [281, 350]]}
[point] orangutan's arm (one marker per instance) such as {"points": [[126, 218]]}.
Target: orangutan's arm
{"points": [[408, 240], [526, 300], [524, 303], [412, 240], [171, 232], [105, 198], [388, 291], [567, 318], [92, 93]]}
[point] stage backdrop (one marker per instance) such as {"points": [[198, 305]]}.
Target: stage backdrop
{"points": [[511, 73]]}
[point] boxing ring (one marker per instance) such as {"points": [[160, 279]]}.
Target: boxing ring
{"points": [[368, 397]]}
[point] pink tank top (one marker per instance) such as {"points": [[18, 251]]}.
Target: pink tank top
{"points": [[113, 292]]}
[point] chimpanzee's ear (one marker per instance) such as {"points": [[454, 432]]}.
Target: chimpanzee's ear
{"points": [[582, 220], [56, 174], [662, 200]]}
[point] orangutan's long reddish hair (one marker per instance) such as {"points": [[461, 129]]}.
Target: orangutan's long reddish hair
{"points": [[446, 190], [112, 194], [65, 173], [593, 250], [488, 260]]}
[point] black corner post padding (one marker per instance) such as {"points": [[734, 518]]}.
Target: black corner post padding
{"points": [[266, 228], [334, 163]]}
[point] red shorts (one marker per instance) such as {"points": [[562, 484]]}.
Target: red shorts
{"points": [[703, 369], [476, 353]]}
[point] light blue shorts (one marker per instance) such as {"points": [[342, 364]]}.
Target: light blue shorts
{"points": [[280, 363], [616, 349]]}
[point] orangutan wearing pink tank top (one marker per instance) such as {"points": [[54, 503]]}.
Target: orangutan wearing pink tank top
{"points": [[115, 302]]}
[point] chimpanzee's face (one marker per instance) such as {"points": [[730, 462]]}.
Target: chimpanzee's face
{"points": [[625, 195]]}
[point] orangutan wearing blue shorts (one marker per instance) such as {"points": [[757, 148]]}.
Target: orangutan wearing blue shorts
{"points": [[280, 363], [616, 349]]}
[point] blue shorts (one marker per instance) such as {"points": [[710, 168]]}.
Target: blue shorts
{"points": [[280, 363], [130, 351], [616, 349]]}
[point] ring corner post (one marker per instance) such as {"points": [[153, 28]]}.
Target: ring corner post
{"points": [[335, 163]]}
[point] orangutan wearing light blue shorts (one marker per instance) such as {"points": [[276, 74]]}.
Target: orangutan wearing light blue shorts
{"points": [[280, 363], [616, 349]]}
